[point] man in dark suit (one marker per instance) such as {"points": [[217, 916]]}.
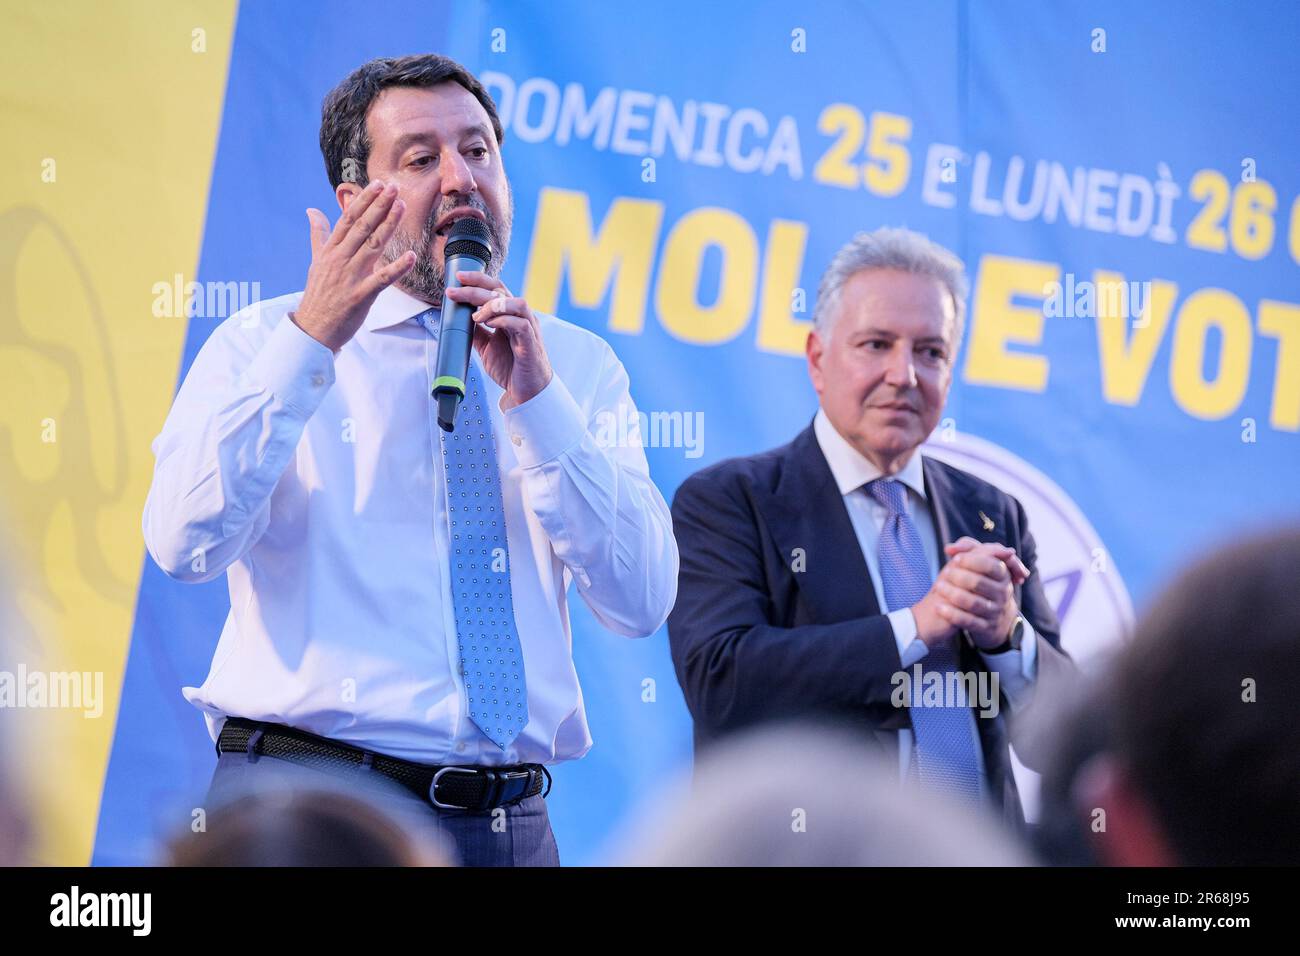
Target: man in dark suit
{"points": [[839, 574]]}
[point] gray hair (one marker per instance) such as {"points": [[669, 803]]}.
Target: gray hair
{"points": [[899, 249]]}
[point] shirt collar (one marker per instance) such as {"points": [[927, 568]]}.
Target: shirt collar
{"points": [[851, 469], [393, 306]]}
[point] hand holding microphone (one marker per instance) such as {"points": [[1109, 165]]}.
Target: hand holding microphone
{"points": [[506, 332], [348, 272]]}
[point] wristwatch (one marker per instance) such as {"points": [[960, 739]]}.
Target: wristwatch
{"points": [[1012, 643]]}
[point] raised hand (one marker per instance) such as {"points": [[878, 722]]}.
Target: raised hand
{"points": [[347, 266]]}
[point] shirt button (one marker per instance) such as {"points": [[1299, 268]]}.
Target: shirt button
{"points": [[318, 380], [516, 440], [460, 748]]}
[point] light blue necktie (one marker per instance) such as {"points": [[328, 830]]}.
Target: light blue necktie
{"points": [[490, 657], [946, 756]]}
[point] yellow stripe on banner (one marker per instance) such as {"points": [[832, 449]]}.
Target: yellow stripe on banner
{"points": [[109, 115]]}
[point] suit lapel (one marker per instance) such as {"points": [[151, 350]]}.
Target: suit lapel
{"points": [[806, 516], [806, 511], [949, 525]]}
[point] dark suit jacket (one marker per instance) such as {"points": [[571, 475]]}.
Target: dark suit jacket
{"points": [[754, 640]]}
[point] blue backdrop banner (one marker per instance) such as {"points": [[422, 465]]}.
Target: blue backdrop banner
{"points": [[1119, 179]]}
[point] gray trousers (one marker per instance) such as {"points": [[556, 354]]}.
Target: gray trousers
{"points": [[469, 838]]}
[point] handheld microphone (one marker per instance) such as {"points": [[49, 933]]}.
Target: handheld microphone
{"points": [[468, 248]]}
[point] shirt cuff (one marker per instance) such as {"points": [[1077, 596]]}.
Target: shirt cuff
{"points": [[910, 647], [545, 426], [1017, 670], [1029, 653], [294, 367]]}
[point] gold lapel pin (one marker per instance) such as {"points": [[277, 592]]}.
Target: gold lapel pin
{"points": [[988, 522]]}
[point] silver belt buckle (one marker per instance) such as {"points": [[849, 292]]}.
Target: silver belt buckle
{"points": [[433, 787]]}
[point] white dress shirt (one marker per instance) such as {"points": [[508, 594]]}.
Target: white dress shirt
{"points": [[315, 481], [1016, 670]]}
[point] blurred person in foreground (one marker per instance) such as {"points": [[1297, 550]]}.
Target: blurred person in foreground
{"points": [[1079, 733], [311, 823], [1187, 751], [826, 576], [823, 797]]}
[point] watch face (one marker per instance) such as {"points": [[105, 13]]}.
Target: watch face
{"points": [[1017, 633]]}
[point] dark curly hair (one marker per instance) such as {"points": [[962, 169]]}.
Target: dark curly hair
{"points": [[343, 133]]}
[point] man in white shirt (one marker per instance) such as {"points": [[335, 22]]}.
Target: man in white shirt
{"points": [[842, 573], [378, 566]]}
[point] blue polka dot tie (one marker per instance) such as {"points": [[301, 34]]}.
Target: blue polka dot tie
{"points": [[946, 742], [490, 657]]}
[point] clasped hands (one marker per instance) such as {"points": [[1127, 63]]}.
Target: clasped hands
{"points": [[974, 592]]}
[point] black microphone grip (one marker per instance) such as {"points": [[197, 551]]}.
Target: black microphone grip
{"points": [[467, 250]]}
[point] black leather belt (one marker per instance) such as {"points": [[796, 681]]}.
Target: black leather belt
{"points": [[448, 788]]}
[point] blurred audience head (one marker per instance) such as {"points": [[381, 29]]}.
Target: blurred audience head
{"points": [[301, 826], [1077, 734], [1189, 752], [807, 795]]}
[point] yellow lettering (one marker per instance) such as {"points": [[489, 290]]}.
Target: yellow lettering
{"points": [[1126, 362], [1282, 321], [778, 330], [622, 253], [995, 322], [1218, 396], [679, 277]]}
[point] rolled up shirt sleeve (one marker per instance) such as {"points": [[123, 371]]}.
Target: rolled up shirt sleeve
{"points": [[232, 430], [586, 479]]}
